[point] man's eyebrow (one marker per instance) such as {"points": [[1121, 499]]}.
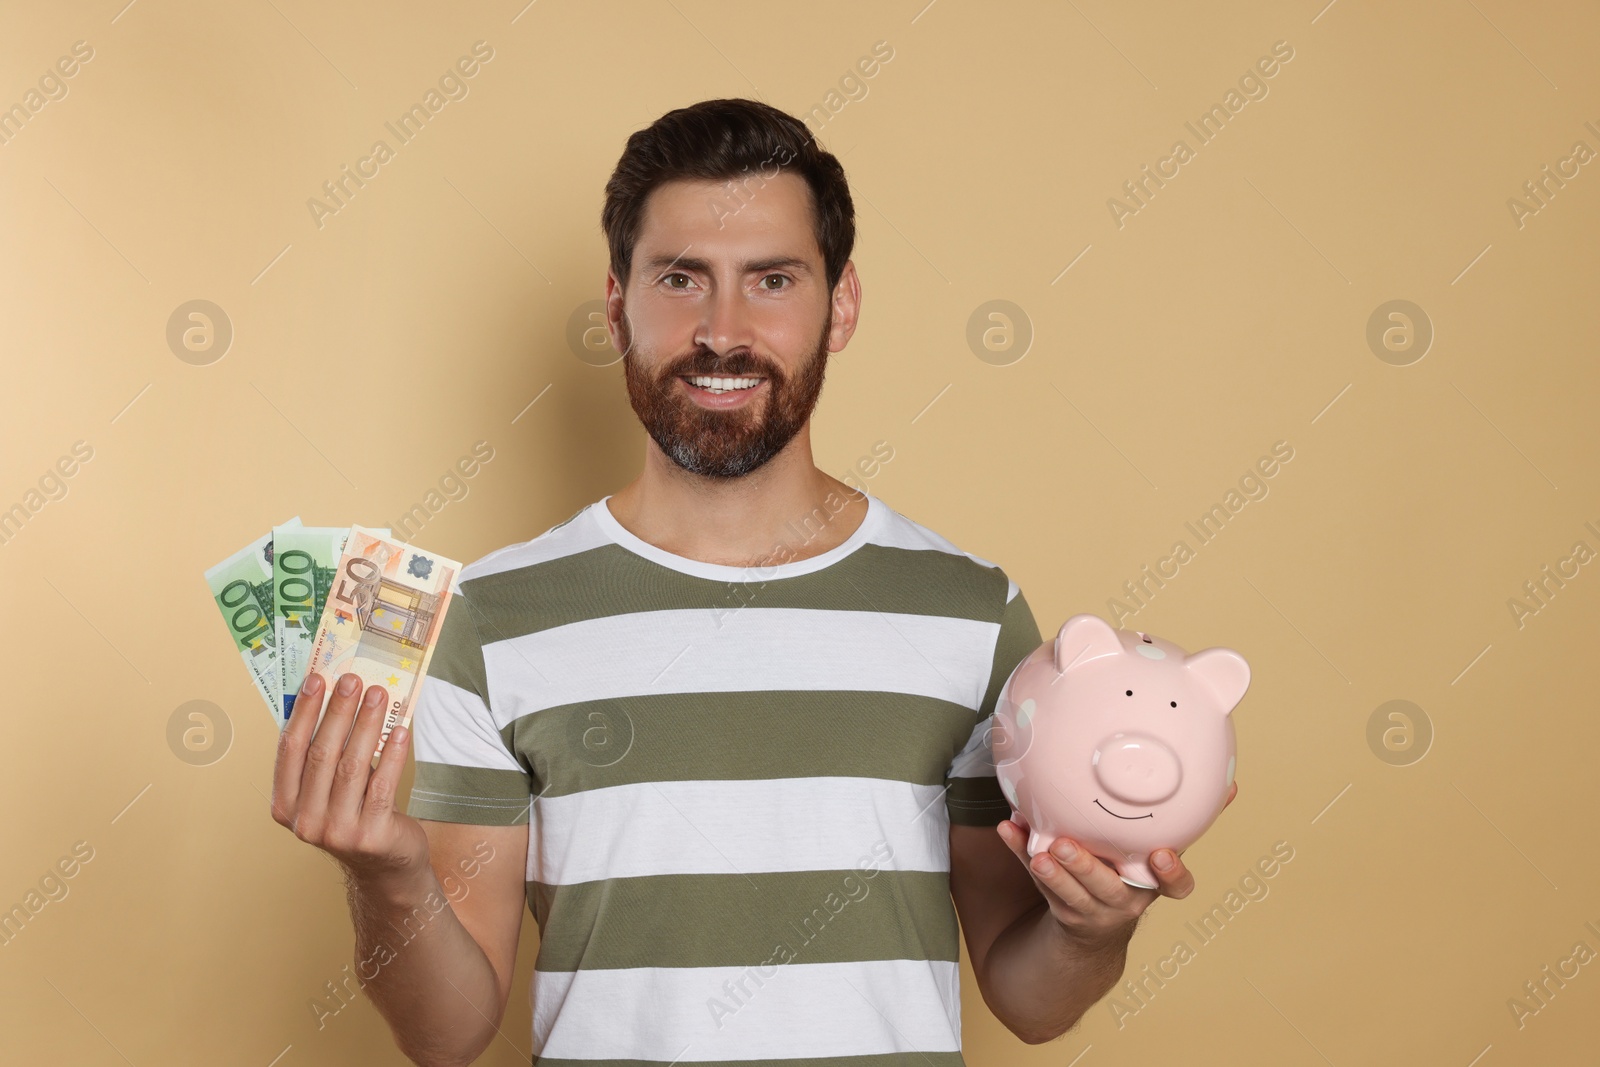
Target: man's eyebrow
{"points": [[656, 264]]}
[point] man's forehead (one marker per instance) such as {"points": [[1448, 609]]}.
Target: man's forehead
{"points": [[754, 223]]}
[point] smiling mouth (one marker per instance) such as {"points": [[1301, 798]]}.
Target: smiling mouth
{"points": [[1114, 815], [719, 384]]}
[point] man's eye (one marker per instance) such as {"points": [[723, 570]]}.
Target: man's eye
{"points": [[780, 277], [675, 274]]}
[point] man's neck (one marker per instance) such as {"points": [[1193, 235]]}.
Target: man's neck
{"points": [[786, 511]]}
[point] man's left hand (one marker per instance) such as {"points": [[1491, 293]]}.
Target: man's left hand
{"points": [[1086, 896]]}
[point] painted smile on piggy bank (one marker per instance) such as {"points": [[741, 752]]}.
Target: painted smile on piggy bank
{"points": [[1108, 811], [1100, 731]]}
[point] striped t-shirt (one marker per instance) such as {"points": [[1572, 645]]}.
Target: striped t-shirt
{"points": [[739, 783]]}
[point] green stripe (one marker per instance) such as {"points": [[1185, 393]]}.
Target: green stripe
{"points": [[977, 802], [458, 652], [609, 580], [721, 920], [447, 793], [1019, 636], [775, 733]]}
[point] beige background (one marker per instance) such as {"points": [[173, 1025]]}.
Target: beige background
{"points": [[1228, 314]]}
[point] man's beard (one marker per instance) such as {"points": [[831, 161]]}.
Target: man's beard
{"points": [[724, 443]]}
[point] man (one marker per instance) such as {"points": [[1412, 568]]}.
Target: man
{"points": [[725, 731]]}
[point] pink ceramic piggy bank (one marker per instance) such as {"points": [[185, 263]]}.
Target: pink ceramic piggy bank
{"points": [[1119, 740]]}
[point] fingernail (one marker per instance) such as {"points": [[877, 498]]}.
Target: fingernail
{"points": [[1163, 860], [348, 683], [1064, 851], [374, 697], [1044, 864], [313, 684]]}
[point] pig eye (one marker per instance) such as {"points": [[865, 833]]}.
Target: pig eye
{"points": [[1130, 692], [1174, 703]]}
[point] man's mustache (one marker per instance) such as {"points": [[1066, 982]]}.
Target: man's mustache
{"points": [[708, 364]]}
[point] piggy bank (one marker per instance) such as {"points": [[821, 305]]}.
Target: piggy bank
{"points": [[1118, 740]]}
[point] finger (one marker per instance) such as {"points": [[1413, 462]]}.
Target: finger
{"points": [[1231, 794], [1091, 874], [292, 744], [1017, 836], [324, 750], [1016, 839], [354, 765], [379, 803], [1174, 878], [1041, 868], [1059, 878]]}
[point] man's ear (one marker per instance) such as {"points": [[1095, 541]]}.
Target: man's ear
{"points": [[618, 327], [844, 308]]}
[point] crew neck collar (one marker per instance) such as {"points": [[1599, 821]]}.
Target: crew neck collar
{"points": [[618, 533]]}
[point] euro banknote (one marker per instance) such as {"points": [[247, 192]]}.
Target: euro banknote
{"points": [[381, 622], [303, 563], [241, 587]]}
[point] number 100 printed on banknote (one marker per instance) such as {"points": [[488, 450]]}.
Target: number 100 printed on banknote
{"points": [[382, 619]]}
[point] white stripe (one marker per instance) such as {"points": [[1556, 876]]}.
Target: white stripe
{"points": [[756, 649], [577, 534], [600, 516], [738, 827], [976, 758], [788, 1010], [901, 532], [594, 526], [451, 725]]}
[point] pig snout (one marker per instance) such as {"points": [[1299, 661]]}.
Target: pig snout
{"points": [[1137, 769]]}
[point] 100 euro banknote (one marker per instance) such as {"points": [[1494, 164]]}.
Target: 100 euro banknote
{"points": [[241, 587], [382, 619], [304, 561]]}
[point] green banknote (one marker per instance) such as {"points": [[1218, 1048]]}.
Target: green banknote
{"points": [[303, 565], [241, 587]]}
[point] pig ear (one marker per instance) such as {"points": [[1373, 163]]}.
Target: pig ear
{"points": [[1085, 637], [1224, 672]]}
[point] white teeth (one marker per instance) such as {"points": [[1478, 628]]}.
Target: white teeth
{"points": [[723, 385]]}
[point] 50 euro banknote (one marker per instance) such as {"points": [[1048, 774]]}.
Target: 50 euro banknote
{"points": [[385, 607]]}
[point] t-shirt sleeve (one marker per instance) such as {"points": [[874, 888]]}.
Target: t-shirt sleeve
{"points": [[465, 771], [972, 794]]}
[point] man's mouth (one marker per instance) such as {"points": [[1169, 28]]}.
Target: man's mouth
{"points": [[720, 385]]}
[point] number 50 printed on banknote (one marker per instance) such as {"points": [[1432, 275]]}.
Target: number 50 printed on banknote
{"points": [[382, 620]]}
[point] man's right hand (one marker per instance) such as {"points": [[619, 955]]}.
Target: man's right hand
{"points": [[325, 789]]}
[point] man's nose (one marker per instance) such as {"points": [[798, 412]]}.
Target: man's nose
{"points": [[726, 322]]}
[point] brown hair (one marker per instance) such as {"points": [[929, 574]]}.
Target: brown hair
{"points": [[727, 139]]}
